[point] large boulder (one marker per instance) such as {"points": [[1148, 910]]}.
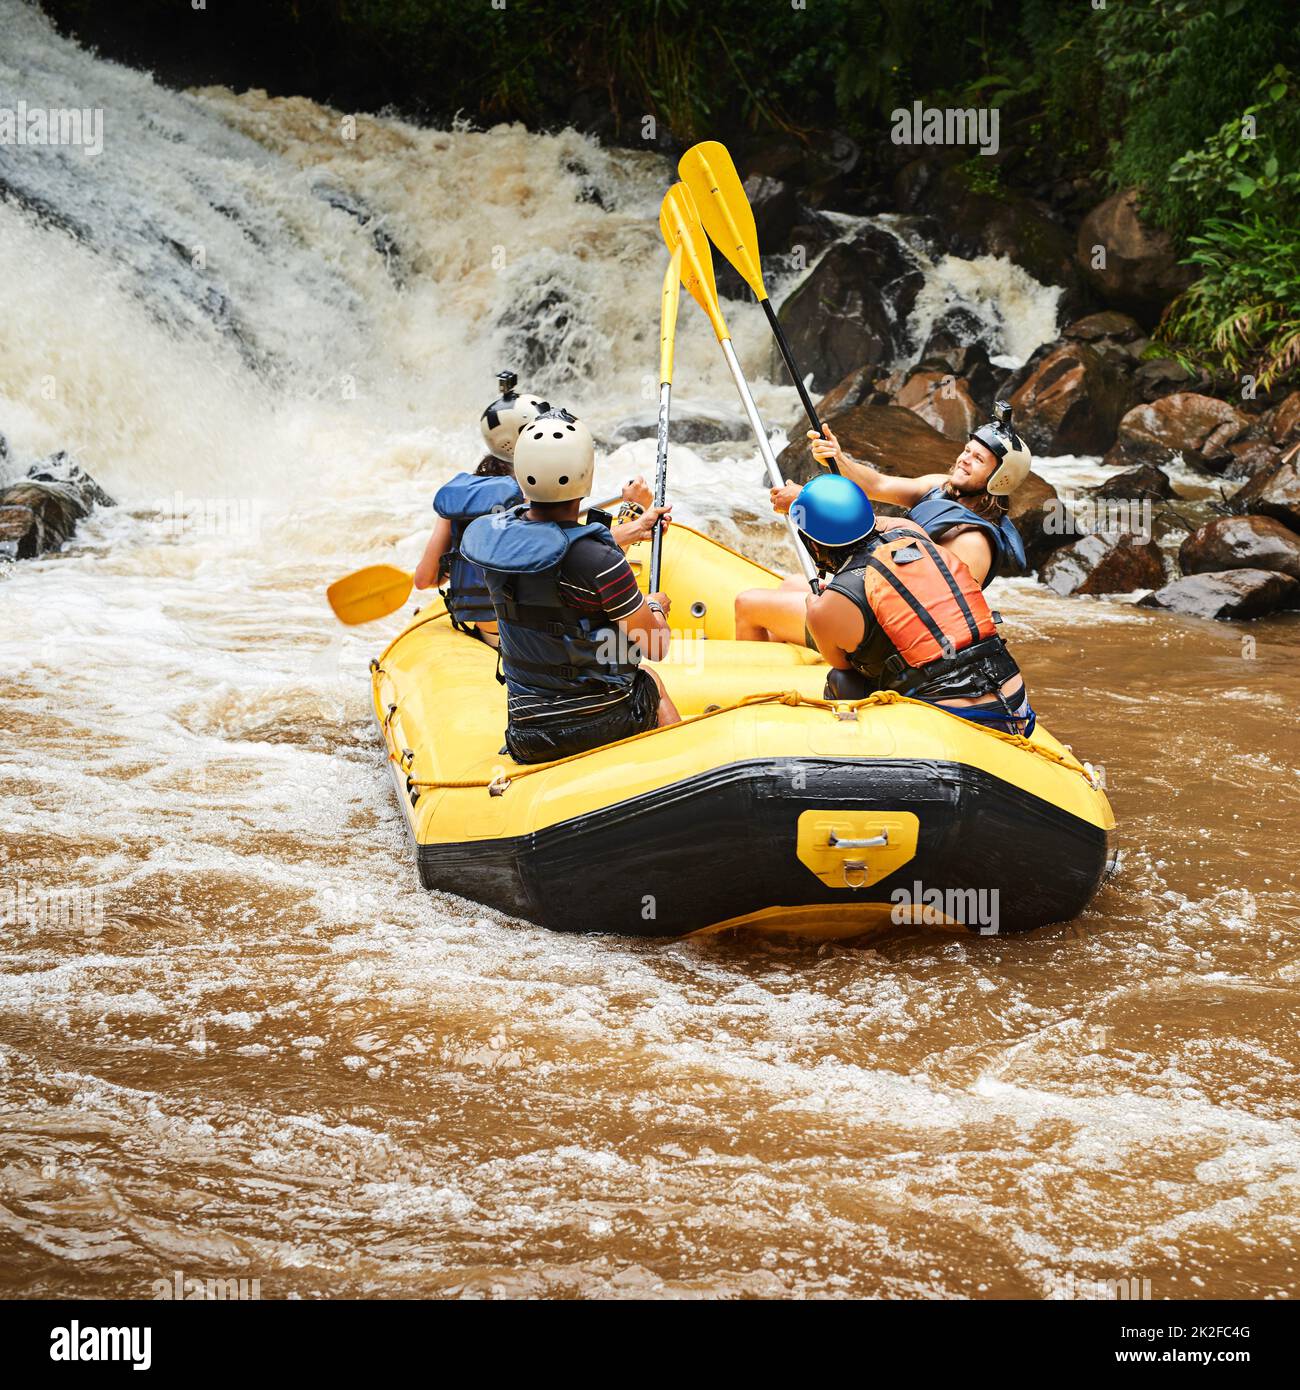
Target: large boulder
{"points": [[941, 400], [1105, 563], [1073, 400], [1241, 542], [40, 511], [1200, 428], [1145, 482], [851, 308], [689, 425], [1275, 494], [1157, 377], [1109, 326], [1285, 425], [1141, 273], [1228, 594], [776, 210], [965, 359]]}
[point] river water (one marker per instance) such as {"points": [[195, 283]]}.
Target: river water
{"points": [[237, 1040]]}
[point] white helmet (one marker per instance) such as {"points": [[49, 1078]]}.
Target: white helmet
{"points": [[1016, 460], [555, 460], [502, 421]]}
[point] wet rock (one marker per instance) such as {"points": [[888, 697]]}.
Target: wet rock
{"points": [[974, 223], [776, 210], [1200, 428], [685, 427], [1105, 563], [1228, 594], [1275, 494], [967, 359], [1285, 424], [1073, 401], [1161, 376], [888, 437], [1034, 508], [1144, 481], [40, 511], [1141, 272], [1241, 542], [941, 400], [851, 308], [1109, 325], [1251, 457], [859, 387]]}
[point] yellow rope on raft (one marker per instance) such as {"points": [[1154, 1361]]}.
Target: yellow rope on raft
{"points": [[781, 697]]}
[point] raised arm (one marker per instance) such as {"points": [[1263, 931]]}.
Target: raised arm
{"points": [[880, 487]]}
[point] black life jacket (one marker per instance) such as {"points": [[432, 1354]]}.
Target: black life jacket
{"points": [[927, 630], [462, 500], [939, 513], [554, 661]]}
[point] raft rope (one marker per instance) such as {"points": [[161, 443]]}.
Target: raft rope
{"points": [[497, 784]]}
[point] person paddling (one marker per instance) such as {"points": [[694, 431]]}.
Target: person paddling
{"points": [[966, 509], [573, 626], [903, 613], [491, 488]]}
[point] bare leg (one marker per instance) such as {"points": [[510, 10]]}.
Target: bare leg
{"points": [[772, 615], [667, 710]]}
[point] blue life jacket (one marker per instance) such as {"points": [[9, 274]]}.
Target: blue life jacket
{"points": [[555, 662], [465, 497], [937, 513]]}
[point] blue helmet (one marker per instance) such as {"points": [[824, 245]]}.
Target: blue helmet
{"points": [[832, 512]]}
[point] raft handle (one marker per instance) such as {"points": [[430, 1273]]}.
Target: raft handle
{"points": [[875, 842]]}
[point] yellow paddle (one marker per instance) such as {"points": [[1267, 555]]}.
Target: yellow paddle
{"points": [[371, 593], [680, 223], [709, 172]]}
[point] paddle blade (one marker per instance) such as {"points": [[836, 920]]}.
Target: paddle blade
{"points": [[708, 171], [680, 223], [668, 315], [369, 594]]}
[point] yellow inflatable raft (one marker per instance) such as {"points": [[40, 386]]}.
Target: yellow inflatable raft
{"points": [[767, 807]]}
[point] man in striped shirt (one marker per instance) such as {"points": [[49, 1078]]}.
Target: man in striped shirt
{"points": [[573, 625]]}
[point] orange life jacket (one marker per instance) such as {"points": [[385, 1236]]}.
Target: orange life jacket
{"points": [[926, 601]]}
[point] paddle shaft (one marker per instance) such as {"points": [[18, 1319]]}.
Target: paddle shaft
{"points": [[769, 458], [809, 409], [661, 483]]}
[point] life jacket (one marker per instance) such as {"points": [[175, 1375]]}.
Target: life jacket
{"points": [[929, 609], [554, 661], [938, 513], [460, 501]]}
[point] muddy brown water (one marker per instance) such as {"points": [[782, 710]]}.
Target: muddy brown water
{"points": [[262, 1052]]}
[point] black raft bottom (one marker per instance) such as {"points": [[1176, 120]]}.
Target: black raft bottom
{"points": [[724, 845]]}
